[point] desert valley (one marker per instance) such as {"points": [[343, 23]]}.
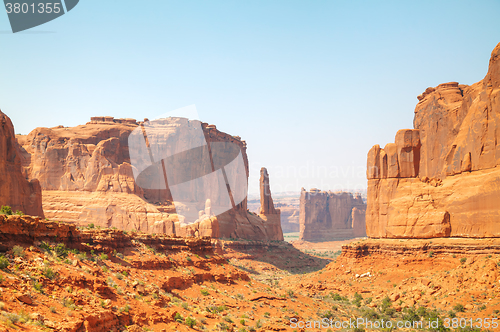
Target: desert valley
{"points": [[86, 246]]}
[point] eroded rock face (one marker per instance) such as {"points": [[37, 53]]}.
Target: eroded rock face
{"points": [[15, 190], [442, 178], [87, 177], [328, 216]]}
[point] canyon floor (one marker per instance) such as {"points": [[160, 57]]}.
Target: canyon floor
{"points": [[217, 285]]}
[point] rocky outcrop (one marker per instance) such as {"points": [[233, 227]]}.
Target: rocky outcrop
{"points": [[15, 190], [328, 216], [92, 174], [270, 215], [441, 178], [28, 231]]}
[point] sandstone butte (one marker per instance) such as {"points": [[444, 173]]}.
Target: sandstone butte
{"points": [[15, 190], [442, 178], [326, 216], [86, 177]]}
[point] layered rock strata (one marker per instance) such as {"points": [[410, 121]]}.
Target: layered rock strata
{"points": [[441, 178], [326, 216], [87, 176]]}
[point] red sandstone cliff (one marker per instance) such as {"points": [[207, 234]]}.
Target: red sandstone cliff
{"points": [[327, 216], [87, 176], [15, 191], [441, 178]]}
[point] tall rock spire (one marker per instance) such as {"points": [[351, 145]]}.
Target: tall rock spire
{"points": [[266, 201]]}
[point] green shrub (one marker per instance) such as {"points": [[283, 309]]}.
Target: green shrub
{"points": [[38, 286], [45, 246], [178, 317], [18, 251], [337, 297], [6, 210], [463, 260], [103, 256], [458, 307], [204, 292], [4, 262], [243, 322], [61, 250], [90, 226], [191, 322], [49, 273], [13, 318]]}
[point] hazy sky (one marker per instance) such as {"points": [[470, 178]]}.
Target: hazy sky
{"points": [[310, 85]]}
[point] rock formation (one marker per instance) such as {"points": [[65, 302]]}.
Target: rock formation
{"points": [[328, 216], [289, 217], [268, 213], [87, 176], [442, 178], [15, 190], [289, 207]]}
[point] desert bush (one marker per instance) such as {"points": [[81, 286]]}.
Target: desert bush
{"points": [[18, 251], [357, 299], [45, 246], [38, 286], [103, 257], [463, 260], [204, 292], [338, 297], [49, 273], [191, 322], [11, 317], [60, 250], [178, 317], [458, 307], [7, 210], [4, 262]]}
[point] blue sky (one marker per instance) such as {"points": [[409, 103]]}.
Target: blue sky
{"points": [[310, 85]]}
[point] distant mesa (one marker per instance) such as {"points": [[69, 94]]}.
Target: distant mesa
{"points": [[327, 216], [442, 178], [86, 176]]}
